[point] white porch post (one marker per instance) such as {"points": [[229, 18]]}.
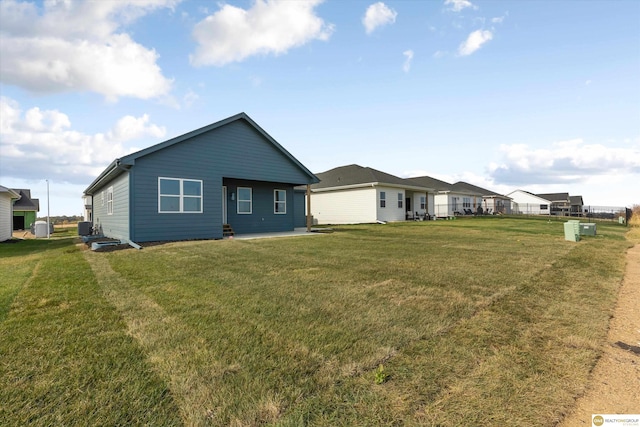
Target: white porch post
{"points": [[308, 207]]}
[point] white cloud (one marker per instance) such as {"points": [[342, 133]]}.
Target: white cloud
{"points": [[565, 162], [189, 98], [474, 42], [42, 143], [407, 62], [500, 19], [458, 5], [233, 34], [79, 46], [377, 15]]}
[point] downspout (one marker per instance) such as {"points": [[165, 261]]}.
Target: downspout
{"points": [[131, 209]]}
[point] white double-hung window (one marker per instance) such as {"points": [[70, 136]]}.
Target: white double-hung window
{"points": [[279, 201], [110, 201], [245, 200], [178, 195]]}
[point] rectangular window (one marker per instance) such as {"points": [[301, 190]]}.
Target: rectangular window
{"points": [[279, 201], [178, 195], [400, 197], [110, 201], [245, 204], [466, 202], [423, 202], [383, 199], [454, 203], [544, 207]]}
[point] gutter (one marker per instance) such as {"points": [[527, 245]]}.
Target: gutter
{"points": [[106, 175], [374, 184]]}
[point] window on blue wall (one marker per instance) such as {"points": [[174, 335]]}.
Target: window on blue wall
{"points": [[177, 195], [245, 204], [383, 199], [280, 201], [110, 201]]}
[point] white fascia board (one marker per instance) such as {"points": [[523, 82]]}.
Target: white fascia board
{"points": [[344, 187]]}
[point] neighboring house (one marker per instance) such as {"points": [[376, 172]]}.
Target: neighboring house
{"points": [[451, 200], [25, 210], [355, 194], [230, 172], [7, 196], [577, 205], [87, 210], [492, 202], [560, 203], [524, 202]]}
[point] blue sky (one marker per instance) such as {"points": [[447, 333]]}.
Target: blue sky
{"points": [[536, 95]]}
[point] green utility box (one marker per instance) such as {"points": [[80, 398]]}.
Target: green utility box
{"points": [[572, 231], [588, 229]]}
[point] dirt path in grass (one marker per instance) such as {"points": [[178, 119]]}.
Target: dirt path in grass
{"points": [[615, 382]]}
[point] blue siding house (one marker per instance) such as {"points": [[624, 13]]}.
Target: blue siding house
{"points": [[230, 172]]}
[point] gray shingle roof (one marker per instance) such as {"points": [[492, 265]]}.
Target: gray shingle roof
{"points": [[355, 175], [576, 200], [461, 185], [25, 203], [427, 181], [555, 197]]}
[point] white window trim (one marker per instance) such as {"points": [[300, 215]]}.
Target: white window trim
{"points": [[181, 195], [383, 199], [275, 202], [238, 200], [110, 200], [400, 201]]}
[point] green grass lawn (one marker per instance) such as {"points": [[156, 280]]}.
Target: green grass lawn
{"points": [[478, 321]]}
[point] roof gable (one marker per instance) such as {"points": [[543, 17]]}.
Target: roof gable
{"points": [[25, 202], [12, 193], [118, 166], [576, 200], [519, 195]]}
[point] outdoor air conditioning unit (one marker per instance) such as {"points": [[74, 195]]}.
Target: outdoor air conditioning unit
{"points": [[84, 228]]}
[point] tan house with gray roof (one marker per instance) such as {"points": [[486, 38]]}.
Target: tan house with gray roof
{"points": [[355, 194]]}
